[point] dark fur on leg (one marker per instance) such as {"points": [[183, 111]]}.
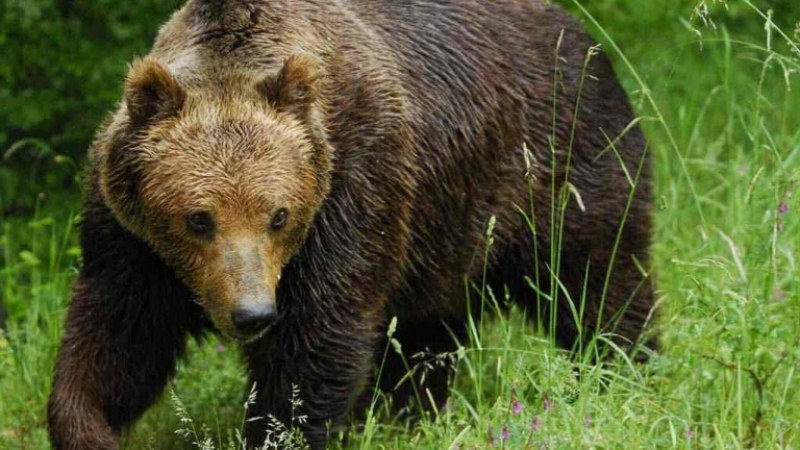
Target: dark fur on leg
{"points": [[428, 348]]}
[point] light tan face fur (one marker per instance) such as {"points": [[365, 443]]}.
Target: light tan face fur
{"points": [[242, 178], [226, 191]]}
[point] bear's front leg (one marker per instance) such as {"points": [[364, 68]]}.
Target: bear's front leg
{"points": [[127, 323], [320, 356]]}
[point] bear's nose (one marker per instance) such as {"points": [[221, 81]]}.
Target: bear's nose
{"points": [[252, 319]]}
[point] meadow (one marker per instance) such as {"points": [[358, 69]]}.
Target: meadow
{"points": [[717, 87]]}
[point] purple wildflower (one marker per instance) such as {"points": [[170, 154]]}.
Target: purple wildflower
{"points": [[547, 403], [536, 424], [690, 434], [505, 434], [517, 407], [783, 208]]}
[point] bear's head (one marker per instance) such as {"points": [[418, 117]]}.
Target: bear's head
{"points": [[223, 181]]}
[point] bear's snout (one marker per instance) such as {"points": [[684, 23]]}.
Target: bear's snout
{"points": [[242, 289]]}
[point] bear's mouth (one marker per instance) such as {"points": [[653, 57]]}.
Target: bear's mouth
{"points": [[245, 339]]}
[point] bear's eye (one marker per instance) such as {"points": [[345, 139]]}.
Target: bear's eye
{"points": [[279, 219], [200, 223]]}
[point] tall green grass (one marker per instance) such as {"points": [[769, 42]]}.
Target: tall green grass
{"points": [[722, 112]]}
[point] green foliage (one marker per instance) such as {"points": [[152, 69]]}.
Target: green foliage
{"points": [[61, 68], [62, 64]]}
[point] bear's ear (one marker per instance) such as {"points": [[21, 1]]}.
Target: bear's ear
{"points": [[296, 87], [151, 92]]}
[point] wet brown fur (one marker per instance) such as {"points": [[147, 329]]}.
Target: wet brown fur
{"points": [[392, 131]]}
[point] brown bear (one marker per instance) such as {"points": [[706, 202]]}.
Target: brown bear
{"points": [[294, 174]]}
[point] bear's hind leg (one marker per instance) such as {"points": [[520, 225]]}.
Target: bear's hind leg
{"points": [[612, 305], [585, 304]]}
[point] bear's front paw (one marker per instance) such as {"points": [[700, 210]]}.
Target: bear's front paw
{"points": [[72, 429], [81, 439]]}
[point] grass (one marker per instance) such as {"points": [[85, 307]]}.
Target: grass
{"points": [[721, 110]]}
